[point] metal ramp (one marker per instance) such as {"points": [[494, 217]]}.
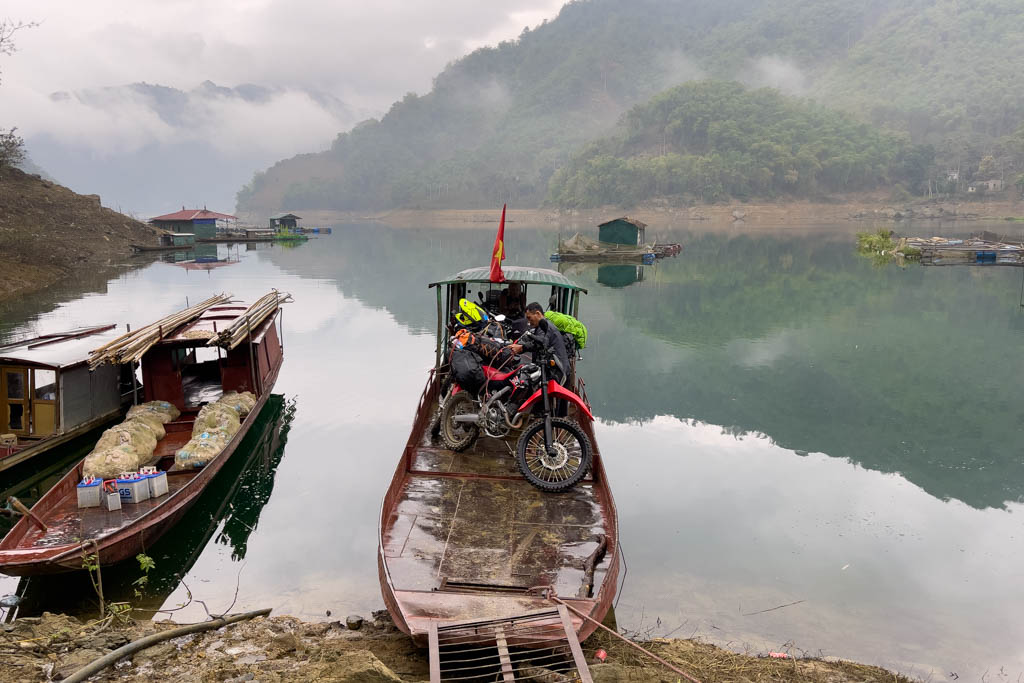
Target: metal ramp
{"points": [[538, 646]]}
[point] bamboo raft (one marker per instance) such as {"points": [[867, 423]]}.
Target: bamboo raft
{"points": [[975, 251]]}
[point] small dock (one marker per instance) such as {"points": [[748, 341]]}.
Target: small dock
{"points": [[974, 251]]}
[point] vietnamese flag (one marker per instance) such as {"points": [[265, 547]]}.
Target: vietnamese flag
{"points": [[499, 250]]}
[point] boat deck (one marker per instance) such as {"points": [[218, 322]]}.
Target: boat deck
{"points": [[68, 524], [469, 523]]}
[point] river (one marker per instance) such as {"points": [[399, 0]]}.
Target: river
{"points": [[808, 451]]}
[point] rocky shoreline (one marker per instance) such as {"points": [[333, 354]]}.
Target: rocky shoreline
{"points": [[282, 648], [750, 215], [48, 233]]}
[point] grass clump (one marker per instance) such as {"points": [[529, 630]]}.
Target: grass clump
{"points": [[882, 246]]}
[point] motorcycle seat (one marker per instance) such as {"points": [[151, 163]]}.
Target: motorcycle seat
{"points": [[497, 375]]}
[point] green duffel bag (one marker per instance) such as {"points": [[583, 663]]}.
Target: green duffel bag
{"points": [[569, 325]]}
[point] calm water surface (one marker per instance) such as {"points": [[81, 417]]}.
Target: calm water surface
{"points": [[782, 422]]}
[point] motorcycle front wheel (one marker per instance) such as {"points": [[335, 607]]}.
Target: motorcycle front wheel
{"points": [[564, 465], [458, 436]]}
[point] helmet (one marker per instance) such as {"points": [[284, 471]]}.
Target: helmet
{"points": [[469, 313]]}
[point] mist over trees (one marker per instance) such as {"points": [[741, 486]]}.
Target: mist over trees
{"points": [[710, 141], [928, 89]]}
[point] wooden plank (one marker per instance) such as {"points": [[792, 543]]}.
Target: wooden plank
{"points": [[435, 653], [506, 661], [574, 645]]}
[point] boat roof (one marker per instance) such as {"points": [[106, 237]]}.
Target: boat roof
{"points": [[60, 349], [525, 274]]}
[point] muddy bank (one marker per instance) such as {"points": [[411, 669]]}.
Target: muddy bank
{"points": [[48, 233], [856, 210], [286, 649]]}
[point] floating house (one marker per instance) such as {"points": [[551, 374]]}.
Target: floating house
{"points": [[622, 231], [202, 223], [48, 396], [285, 222]]}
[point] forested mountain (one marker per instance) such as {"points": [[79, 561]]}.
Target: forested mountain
{"points": [[709, 141], [500, 122]]}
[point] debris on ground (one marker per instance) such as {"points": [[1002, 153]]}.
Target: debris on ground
{"points": [[278, 649]]}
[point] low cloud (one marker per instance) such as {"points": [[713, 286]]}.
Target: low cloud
{"points": [[773, 71], [318, 69], [678, 68]]}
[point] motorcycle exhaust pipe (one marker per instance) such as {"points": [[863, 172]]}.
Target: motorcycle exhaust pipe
{"points": [[466, 418], [517, 421]]}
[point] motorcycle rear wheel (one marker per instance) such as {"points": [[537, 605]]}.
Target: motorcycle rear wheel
{"points": [[562, 469], [458, 436]]}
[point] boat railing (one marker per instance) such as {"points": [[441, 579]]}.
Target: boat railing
{"points": [[424, 411]]}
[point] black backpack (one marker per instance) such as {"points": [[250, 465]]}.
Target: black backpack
{"points": [[467, 370]]}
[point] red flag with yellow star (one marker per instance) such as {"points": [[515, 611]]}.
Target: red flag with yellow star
{"points": [[499, 250]]}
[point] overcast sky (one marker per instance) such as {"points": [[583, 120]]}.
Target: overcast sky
{"points": [[365, 54]]}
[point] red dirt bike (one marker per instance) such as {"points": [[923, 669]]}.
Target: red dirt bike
{"points": [[553, 453]]}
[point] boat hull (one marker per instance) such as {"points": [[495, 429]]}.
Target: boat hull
{"points": [[464, 536], [128, 540]]}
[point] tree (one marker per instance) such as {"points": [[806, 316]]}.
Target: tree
{"points": [[12, 148], [7, 30]]}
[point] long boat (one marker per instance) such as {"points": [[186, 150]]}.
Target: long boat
{"points": [[48, 396], [56, 532], [464, 537]]}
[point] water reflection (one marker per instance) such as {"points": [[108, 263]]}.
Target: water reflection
{"points": [[899, 370], [619, 275], [774, 409], [228, 512]]}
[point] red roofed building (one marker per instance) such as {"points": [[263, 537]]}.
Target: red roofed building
{"points": [[199, 222]]}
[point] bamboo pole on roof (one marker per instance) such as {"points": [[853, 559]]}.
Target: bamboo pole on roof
{"points": [[237, 332], [130, 347]]}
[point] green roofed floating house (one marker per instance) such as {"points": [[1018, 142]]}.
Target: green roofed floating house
{"points": [[621, 240], [285, 221], [286, 226], [622, 231]]}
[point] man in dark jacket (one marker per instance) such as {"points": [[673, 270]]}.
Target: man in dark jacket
{"points": [[553, 341]]}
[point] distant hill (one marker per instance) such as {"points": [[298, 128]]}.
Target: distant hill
{"points": [[500, 122], [152, 148]]}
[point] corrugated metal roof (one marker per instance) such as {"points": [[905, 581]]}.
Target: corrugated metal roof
{"points": [[57, 350], [194, 215], [279, 216], [524, 274]]}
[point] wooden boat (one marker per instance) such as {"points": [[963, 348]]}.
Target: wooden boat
{"points": [[464, 536], [229, 507], [48, 397], [53, 537]]}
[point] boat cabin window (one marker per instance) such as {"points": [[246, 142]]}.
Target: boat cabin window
{"points": [[44, 402], [44, 383], [508, 298], [14, 392]]}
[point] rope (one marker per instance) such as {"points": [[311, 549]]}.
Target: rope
{"points": [[549, 593]]}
